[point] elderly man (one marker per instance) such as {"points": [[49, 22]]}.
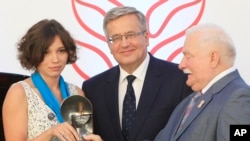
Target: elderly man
{"points": [[221, 96]]}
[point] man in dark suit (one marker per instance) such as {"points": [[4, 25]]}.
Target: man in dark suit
{"points": [[158, 86], [224, 97]]}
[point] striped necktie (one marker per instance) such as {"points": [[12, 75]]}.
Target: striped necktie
{"points": [[188, 109]]}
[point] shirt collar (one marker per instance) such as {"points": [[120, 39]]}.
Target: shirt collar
{"points": [[139, 73], [218, 77]]}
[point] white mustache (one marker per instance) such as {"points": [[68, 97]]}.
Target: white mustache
{"points": [[187, 71]]}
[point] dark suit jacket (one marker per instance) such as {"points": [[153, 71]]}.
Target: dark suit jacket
{"points": [[164, 87], [226, 102]]}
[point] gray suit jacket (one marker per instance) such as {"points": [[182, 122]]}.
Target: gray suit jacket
{"points": [[227, 102]]}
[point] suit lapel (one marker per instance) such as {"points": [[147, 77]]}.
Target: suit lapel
{"points": [[198, 107], [111, 98], [151, 85]]}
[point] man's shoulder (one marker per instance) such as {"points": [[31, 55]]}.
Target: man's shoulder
{"points": [[104, 75], [164, 65]]}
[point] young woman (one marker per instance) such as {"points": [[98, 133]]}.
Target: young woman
{"points": [[31, 110]]}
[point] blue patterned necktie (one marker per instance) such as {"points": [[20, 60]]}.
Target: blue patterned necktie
{"points": [[129, 107]]}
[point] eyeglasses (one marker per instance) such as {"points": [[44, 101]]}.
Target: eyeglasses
{"points": [[129, 36]]}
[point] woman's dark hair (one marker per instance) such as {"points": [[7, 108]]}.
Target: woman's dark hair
{"points": [[34, 44]]}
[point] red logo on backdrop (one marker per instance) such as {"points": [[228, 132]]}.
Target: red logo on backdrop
{"points": [[168, 21]]}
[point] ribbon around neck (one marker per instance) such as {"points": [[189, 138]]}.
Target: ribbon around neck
{"points": [[48, 96]]}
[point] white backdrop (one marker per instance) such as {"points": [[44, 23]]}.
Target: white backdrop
{"points": [[83, 19]]}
